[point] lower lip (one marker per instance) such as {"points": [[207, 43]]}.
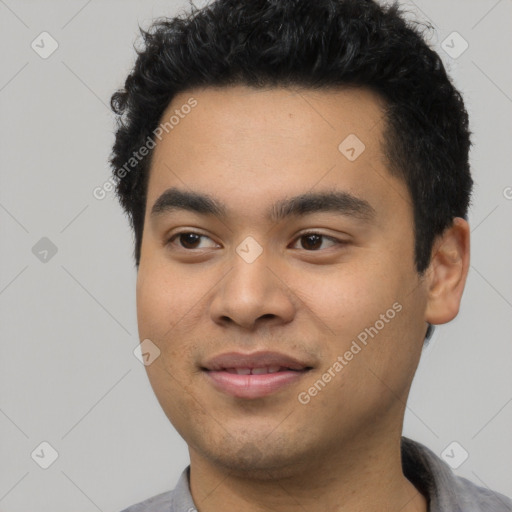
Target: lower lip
{"points": [[252, 386]]}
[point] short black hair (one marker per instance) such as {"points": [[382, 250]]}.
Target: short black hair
{"points": [[316, 44]]}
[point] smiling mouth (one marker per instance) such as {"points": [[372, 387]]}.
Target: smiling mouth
{"points": [[254, 375], [252, 383]]}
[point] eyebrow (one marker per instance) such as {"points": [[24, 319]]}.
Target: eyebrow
{"points": [[338, 202]]}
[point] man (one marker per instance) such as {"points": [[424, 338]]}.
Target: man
{"points": [[296, 174]]}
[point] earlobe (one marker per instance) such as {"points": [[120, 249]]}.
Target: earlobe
{"points": [[447, 273]]}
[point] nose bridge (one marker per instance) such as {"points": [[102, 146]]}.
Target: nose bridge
{"points": [[251, 289], [250, 281]]}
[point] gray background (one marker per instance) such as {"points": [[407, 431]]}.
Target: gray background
{"points": [[68, 375]]}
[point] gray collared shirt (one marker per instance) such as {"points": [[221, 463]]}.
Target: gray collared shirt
{"points": [[445, 491]]}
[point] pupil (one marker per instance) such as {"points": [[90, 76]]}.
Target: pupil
{"points": [[187, 237], [313, 237]]}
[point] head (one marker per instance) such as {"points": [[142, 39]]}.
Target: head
{"points": [[241, 106]]}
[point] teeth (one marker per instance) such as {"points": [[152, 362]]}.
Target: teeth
{"points": [[259, 371], [254, 371], [242, 371]]}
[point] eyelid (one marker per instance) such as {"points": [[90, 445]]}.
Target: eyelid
{"points": [[170, 239], [336, 241]]}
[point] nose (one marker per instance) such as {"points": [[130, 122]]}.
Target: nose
{"points": [[252, 294]]}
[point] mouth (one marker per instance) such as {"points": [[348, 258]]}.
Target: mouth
{"points": [[254, 375], [259, 371]]}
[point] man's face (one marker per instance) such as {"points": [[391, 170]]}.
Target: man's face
{"points": [[346, 303]]}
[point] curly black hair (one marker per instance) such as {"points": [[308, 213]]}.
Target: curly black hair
{"points": [[312, 44]]}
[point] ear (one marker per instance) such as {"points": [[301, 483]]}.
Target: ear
{"points": [[447, 273]]}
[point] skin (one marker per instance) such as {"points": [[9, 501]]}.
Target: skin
{"points": [[249, 148]]}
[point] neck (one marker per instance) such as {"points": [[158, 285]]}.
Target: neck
{"points": [[361, 476]]}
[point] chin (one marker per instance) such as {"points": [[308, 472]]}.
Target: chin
{"points": [[258, 460]]}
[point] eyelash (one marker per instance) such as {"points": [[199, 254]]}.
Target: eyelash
{"points": [[302, 235]]}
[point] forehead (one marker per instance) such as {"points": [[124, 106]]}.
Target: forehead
{"points": [[277, 113], [249, 147]]}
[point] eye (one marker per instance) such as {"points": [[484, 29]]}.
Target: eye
{"points": [[312, 241], [188, 240]]}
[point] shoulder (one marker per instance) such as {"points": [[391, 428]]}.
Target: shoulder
{"points": [[159, 503], [480, 499], [179, 499], [443, 488]]}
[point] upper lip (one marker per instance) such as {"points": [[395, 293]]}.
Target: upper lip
{"points": [[254, 360]]}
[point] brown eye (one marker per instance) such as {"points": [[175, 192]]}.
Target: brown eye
{"points": [[313, 241], [187, 240]]}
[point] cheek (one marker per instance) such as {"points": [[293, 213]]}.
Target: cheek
{"points": [[348, 299], [170, 307], [152, 305], [164, 315], [162, 299]]}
